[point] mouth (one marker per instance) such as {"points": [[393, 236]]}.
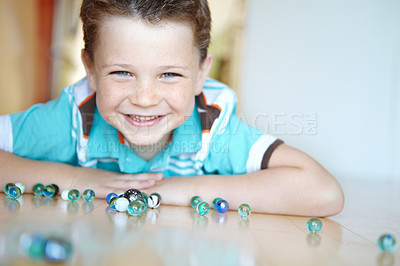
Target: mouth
{"points": [[138, 118], [144, 121]]}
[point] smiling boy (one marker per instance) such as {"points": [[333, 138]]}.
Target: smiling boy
{"points": [[147, 117]]}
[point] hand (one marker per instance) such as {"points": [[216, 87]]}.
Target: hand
{"points": [[104, 182]]}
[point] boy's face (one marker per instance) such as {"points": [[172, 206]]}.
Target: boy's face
{"points": [[145, 77]]}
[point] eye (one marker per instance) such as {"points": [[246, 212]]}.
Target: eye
{"points": [[121, 73], [170, 75]]}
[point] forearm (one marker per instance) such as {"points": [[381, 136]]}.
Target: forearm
{"points": [[294, 184], [29, 172], [284, 190]]}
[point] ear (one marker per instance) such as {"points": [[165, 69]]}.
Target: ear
{"points": [[89, 68], [203, 74]]}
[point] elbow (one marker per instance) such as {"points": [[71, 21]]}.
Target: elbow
{"points": [[332, 201]]}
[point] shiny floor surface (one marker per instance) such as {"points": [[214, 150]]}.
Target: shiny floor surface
{"points": [[178, 236]]}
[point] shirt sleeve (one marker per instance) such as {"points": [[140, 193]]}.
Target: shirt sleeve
{"points": [[240, 149], [43, 132]]}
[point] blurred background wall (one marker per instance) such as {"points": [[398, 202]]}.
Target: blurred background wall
{"points": [[324, 76], [25, 30]]}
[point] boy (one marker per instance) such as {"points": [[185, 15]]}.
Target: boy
{"points": [[147, 117]]}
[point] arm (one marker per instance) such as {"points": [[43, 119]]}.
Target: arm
{"points": [[294, 184], [29, 172]]}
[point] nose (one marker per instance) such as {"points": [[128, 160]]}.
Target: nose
{"points": [[145, 94]]}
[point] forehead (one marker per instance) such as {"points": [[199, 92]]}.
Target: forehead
{"points": [[125, 34]]}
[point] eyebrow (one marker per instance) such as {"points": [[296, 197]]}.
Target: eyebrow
{"points": [[118, 65], [183, 67], [174, 66]]}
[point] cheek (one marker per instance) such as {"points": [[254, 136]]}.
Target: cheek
{"points": [[182, 100], [107, 100]]}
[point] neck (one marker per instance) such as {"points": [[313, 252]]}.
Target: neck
{"points": [[148, 152]]}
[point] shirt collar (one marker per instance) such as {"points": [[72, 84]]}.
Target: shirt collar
{"points": [[104, 142]]}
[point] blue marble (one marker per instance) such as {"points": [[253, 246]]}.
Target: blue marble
{"points": [[110, 196], [14, 192], [49, 191], [222, 206]]}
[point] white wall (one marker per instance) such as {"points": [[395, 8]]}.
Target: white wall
{"points": [[324, 76]]}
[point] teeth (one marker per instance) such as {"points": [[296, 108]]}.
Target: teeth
{"points": [[143, 118]]}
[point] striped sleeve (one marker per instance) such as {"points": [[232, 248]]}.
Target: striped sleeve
{"points": [[6, 137], [261, 152], [240, 149]]}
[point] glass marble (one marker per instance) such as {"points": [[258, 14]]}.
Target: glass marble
{"points": [[88, 195], [222, 206], [154, 200], [203, 208], [64, 194], [194, 201], [74, 195], [143, 202], [244, 210], [110, 196], [133, 194], [135, 208], [112, 203], [121, 204], [49, 191], [36, 247], [7, 187], [57, 249], [38, 189], [145, 197], [314, 225], [14, 192], [214, 203], [56, 189], [387, 243], [21, 187]]}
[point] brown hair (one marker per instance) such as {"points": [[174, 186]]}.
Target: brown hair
{"points": [[196, 12]]}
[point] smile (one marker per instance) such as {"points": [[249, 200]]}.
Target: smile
{"points": [[144, 121], [143, 118]]}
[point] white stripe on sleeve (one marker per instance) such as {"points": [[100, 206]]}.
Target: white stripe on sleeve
{"points": [[6, 137], [257, 152]]}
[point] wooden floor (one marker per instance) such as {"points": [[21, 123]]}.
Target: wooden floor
{"points": [[178, 236]]}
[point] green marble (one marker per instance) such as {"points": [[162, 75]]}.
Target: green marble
{"points": [[74, 195], [244, 210], [88, 195], [203, 208], [194, 201]]}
